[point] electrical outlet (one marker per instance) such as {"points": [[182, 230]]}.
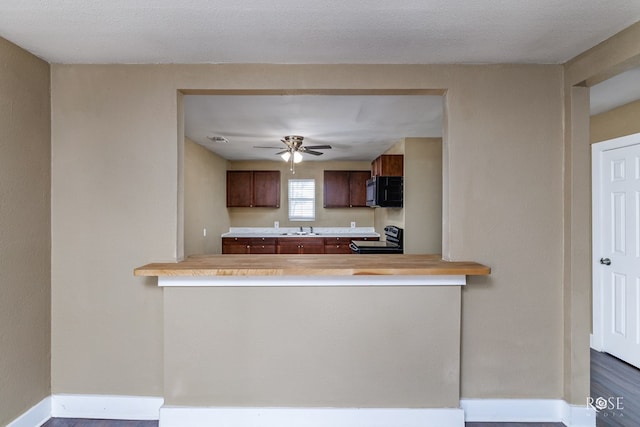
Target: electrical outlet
{"points": [[353, 224], [276, 224]]}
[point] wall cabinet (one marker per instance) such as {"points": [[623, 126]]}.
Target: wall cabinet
{"points": [[301, 245], [253, 189], [253, 245], [340, 245], [388, 165], [345, 189]]}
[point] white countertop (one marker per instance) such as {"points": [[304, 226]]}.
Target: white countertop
{"points": [[284, 232]]}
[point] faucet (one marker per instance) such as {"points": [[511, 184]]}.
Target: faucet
{"points": [[301, 229], [311, 229]]}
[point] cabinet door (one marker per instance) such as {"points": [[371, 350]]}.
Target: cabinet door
{"points": [[312, 245], [288, 246], [375, 166], [266, 189], [232, 245], [392, 165], [336, 189], [239, 189], [263, 245], [358, 188]]}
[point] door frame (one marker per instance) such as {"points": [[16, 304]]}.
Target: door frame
{"points": [[597, 231]]}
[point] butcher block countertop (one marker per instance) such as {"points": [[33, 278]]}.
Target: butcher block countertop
{"points": [[313, 265]]}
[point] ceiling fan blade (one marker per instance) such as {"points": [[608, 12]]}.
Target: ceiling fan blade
{"points": [[282, 152], [319, 147], [263, 146], [315, 153]]}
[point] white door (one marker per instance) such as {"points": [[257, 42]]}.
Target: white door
{"points": [[616, 250]]}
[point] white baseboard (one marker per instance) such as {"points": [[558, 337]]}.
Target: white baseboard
{"points": [[150, 408], [34, 417], [179, 416], [578, 416], [527, 410], [106, 407]]}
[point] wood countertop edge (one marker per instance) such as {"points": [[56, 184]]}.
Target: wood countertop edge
{"points": [[203, 266], [202, 272]]}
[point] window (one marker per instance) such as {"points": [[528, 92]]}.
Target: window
{"points": [[302, 199]]}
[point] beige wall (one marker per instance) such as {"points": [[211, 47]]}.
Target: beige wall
{"points": [[347, 346], [25, 227], [333, 217], [421, 214], [617, 54], [614, 123], [205, 181], [115, 207], [423, 195]]}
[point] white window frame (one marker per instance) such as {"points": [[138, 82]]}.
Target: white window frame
{"points": [[294, 200]]}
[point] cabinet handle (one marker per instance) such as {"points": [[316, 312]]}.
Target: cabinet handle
{"points": [[247, 246]]}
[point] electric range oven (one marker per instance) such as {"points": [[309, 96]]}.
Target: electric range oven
{"points": [[392, 245]]}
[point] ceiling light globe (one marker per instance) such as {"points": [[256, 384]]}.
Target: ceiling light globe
{"points": [[297, 157]]}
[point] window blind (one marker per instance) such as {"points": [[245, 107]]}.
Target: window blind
{"points": [[302, 199]]}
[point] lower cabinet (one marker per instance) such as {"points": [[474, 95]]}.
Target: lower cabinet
{"points": [[340, 245], [301, 245], [253, 245], [289, 245]]}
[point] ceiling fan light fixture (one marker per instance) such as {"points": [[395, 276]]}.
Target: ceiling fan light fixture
{"points": [[297, 157], [285, 156]]}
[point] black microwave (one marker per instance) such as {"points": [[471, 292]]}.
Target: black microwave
{"points": [[385, 191]]}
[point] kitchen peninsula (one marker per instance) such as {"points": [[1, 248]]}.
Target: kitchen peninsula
{"points": [[310, 270], [312, 340]]}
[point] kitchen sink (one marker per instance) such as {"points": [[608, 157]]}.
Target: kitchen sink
{"points": [[300, 233]]}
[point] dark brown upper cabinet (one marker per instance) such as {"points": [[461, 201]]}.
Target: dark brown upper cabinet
{"points": [[345, 189], [388, 165], [253, 189]]}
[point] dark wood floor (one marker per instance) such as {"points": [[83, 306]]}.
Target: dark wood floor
{"points": [[79, 422], [66, 422], [610, 378]]}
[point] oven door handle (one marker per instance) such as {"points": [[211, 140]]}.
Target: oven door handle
{"points": [[354, 247]]}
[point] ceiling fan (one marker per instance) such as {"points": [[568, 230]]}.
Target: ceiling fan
{"points": [[294, 149]]}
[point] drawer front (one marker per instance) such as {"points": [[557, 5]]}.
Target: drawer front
{"points": [[340, 248], [346, 240], [263, 249]]}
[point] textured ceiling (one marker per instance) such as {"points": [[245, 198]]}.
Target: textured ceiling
{"points": [[357, 127], [311, 31]]}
